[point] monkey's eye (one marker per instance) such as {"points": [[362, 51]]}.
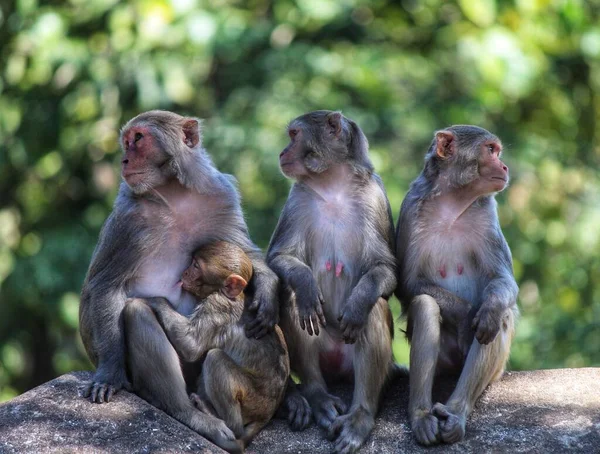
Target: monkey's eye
{"points": [[138, 136], [492, 148], [195, 265], [293, 133]]}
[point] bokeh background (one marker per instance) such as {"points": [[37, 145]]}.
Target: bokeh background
{"points": [[73, 71]]}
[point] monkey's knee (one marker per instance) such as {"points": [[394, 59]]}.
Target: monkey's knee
{"points": [[136, 309], [424, 306]]}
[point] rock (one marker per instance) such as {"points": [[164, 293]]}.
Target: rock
{"points": [[53, 418], [550, 411]]}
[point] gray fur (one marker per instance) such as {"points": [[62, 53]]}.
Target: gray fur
{"points": [[337, 213], [149, 238], [455, 283]]}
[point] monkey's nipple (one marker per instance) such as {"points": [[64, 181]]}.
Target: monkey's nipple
{"points": [[338, 269]]}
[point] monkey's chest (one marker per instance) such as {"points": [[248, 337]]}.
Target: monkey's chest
{"points": [[450, 261], [336, 245], [183, 228]]}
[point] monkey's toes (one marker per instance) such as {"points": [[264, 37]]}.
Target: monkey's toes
{"points": [[299, 414], [426, 429], [451, 425], [326, 409], [351, 430]]}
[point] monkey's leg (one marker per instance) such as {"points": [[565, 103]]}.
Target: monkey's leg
{"points": [[156, 375], [232, 391], [484, 364], [224, 383], [305, 351], [372, 364], [424, 319]]}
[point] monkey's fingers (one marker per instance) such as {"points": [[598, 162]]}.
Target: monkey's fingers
{"points": [[440, 411], [315, 324], [255, 327], [334, 429], [321, 314], [309, 325], [86, 390]]}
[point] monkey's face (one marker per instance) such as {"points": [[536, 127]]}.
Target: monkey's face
{"points": [[493, 173], [144, 163], [196, 279], [317, 141]]}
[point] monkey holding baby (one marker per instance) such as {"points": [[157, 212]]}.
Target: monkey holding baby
{"points": [[243, 379], [172, 201], [455, 279]]}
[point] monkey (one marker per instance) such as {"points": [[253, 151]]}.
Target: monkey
{"points": [[333, 250], [243, 379], [455, 278], [171, 201]]}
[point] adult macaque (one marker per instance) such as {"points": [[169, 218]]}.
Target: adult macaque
{"points": [[333, 251], [172, 201], [243, 379], [455, 278]]}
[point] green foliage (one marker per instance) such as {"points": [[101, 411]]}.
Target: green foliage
{"points": [[71, 72]]}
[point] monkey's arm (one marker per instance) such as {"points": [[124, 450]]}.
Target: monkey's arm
{"points": [[285, 259], [189, 342], [379, 281], [264, 303], [380, 278], [499, 294], [102, 300]]}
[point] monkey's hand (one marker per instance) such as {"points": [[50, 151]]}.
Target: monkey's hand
{"points": [[487, 323], [309, 303], [352, 320], [264, 313], [104, 385]]}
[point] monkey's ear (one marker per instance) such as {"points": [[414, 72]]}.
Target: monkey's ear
{"points": [[334, 124], [234, 285], [191, 133], [446, 144]]}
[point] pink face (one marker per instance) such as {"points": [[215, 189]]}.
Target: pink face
{"points": [[291, 159], [492, 171]]}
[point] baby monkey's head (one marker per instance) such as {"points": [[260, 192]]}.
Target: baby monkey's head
{"points": [[218, 267]]}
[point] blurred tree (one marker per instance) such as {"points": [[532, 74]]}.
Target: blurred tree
{"points": [[71, 72]]}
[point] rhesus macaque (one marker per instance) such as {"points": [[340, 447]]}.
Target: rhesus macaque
{"points": [[243, 379], [455, 278], [333, 251], [171, 201]]}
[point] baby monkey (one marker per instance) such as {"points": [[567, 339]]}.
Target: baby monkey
{"points": [[243, 379]]}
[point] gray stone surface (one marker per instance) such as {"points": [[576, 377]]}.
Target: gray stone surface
{"points": [[53, 418], [547, 411], [552, 411]]}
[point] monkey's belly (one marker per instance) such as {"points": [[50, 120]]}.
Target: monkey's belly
{"points": [[456, 277]]}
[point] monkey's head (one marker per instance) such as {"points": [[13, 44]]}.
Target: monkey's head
{"points": [[150, 142], [320, 139], [467, 155], [218, 267]]}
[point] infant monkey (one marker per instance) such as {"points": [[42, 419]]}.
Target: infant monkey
{"points": [[243, 379]]}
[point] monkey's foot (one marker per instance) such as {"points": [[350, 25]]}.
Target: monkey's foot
{"points": [[212, 428], [101, 389], [451, 424], [326, 408], [350, 431], [425, 427], [298, 411]]}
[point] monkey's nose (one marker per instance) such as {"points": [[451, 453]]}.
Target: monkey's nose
{"points": [[125, 161]]}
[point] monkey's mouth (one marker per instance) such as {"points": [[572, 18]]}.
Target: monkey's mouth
{"points": [[500, 178]]}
